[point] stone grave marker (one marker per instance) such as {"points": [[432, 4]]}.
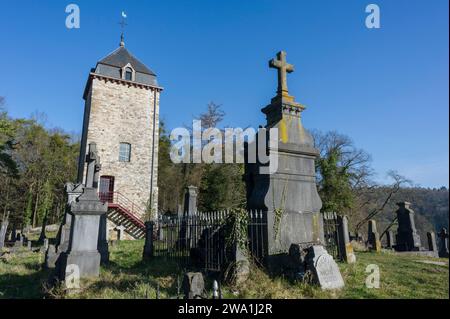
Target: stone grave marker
{"points": [[346, 247], [390, 239], [443, 243], [193, 285], [432, 246], [407, 237], [324, 268], [284, 187], [373, 237]]}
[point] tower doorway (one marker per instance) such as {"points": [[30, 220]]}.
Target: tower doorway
{"points": [[106, 189]]}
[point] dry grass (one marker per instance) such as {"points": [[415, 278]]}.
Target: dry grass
{"points": [[127, 276]]}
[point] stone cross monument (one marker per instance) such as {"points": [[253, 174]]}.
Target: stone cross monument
{"points": [[289, 195], [86, 212]]}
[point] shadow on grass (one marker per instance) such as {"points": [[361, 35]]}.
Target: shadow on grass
{"points": [[26, 286]]}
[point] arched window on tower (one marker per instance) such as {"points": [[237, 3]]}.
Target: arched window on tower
{"points": [[129, 74], [124, 152]]}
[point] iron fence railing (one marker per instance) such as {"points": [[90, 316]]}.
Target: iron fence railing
{"points": [[331, 236], [201, 240]]}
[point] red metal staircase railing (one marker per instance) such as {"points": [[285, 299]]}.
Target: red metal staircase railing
{"points": [[130, 210]]}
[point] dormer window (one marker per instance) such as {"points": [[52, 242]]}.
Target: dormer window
{"points": [[128, 74]]}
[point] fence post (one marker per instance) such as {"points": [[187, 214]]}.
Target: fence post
{"points": [[148, 246]]}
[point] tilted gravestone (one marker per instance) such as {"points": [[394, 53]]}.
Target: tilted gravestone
{"points": [[407, 237], [432, 246], [193, 285], [345, 247], [443, 243], [324, 268], [284, 186], [373, 240]]}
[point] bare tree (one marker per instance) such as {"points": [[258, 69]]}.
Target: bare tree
{"points": [[367, 198]]}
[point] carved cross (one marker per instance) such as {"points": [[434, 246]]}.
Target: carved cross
{"points": [[93, 166], [283, 68]]}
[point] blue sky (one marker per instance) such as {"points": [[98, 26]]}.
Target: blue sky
{"points": [[386, 88]]}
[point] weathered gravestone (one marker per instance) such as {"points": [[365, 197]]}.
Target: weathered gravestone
{"points": [[3, 230], [443, 243], [390, 239], [72, 192], [324, 269], [407, 237], [346, 247], [42, 235], [19, 241], [29, 245], [432, 246], [284, 186], [193, 285], [186, 238], [373, 237], [51, 257], [86, 210]]}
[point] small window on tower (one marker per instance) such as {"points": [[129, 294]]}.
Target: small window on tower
{"points": [[128, 74], [124, 152]]}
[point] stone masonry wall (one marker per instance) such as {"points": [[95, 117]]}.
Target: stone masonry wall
{"points": [[123, 113]]}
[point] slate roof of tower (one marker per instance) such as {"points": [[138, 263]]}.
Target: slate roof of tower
{"points": [[121, 57]]}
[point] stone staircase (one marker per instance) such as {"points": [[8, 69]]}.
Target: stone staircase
{"points": [[122, 211]]}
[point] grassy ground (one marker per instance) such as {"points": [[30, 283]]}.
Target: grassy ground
{"points": [[127, 276]]}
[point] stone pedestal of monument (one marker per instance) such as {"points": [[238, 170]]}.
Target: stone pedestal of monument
{"points": [[82, 252], [289, 193], [72, 191]]}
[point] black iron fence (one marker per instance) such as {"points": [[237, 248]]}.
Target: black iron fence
{"points": [[202, 240]]}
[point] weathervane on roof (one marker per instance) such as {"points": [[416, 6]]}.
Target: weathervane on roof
{"points": [[123, 24]]}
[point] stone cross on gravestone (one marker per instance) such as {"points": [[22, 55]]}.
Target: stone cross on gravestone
{"points": [[93, 166], [283, 67]]}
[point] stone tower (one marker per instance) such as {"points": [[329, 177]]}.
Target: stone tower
{"points": [[121, 116]]}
